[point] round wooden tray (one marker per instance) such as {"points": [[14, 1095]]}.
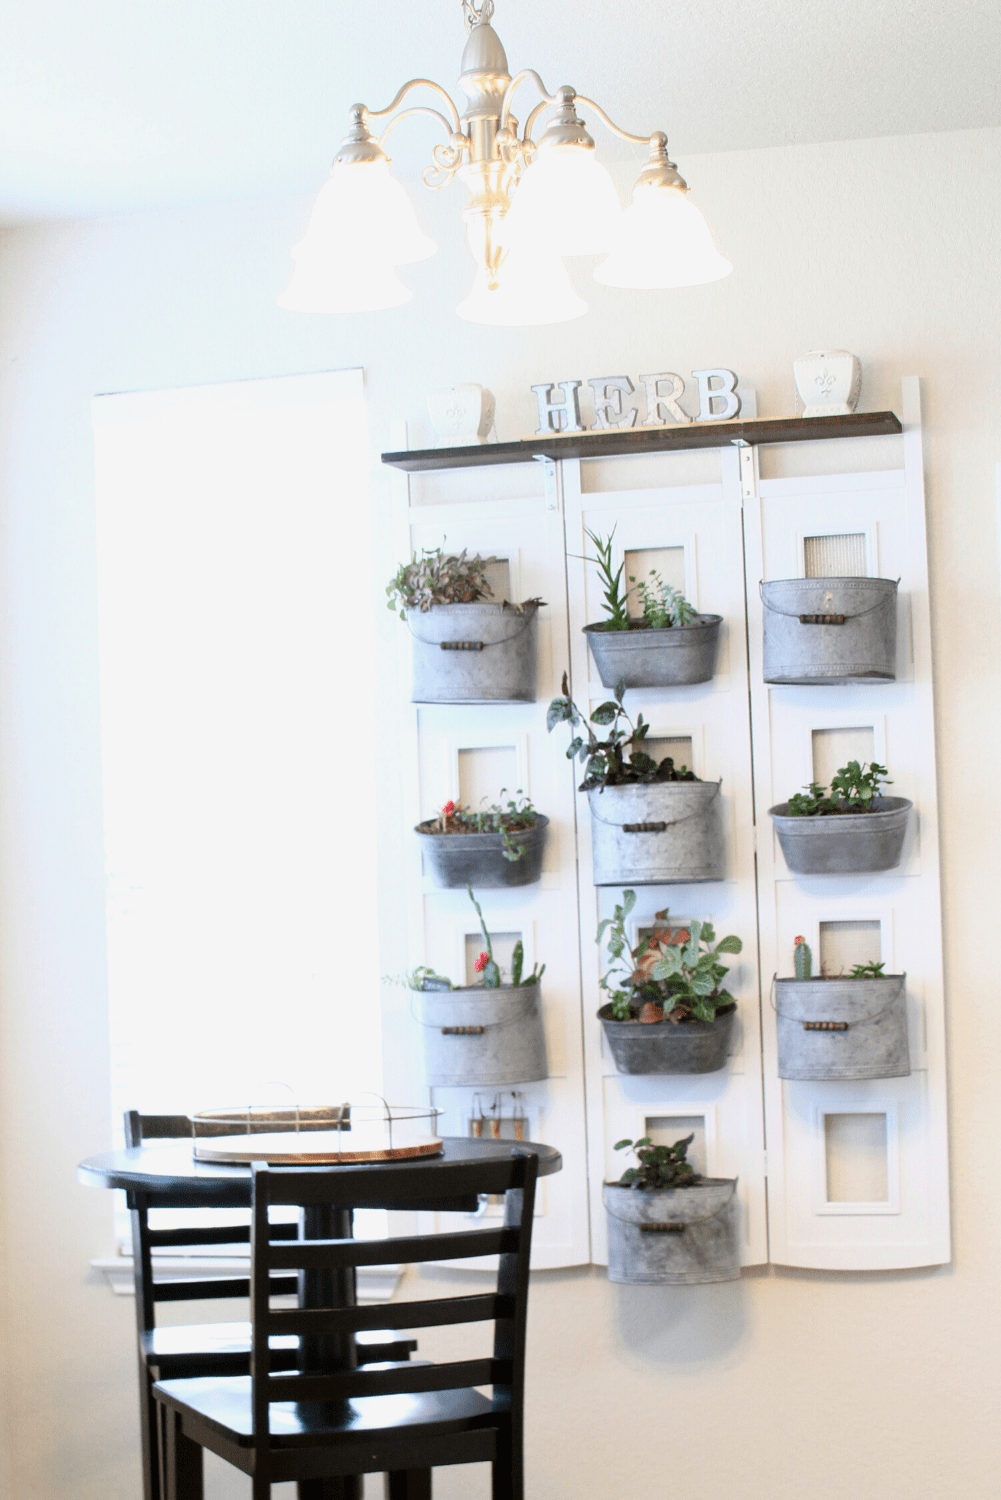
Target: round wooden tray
{"points": [[288, 1148]]}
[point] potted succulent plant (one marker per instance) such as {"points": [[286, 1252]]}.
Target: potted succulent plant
{"points": [[653, 823], [829, 629], [852, 829], [500, 845], [666, 1223], [666, 1012], [487, 1033], [671, 645], [465, 648], [841, 1026]]}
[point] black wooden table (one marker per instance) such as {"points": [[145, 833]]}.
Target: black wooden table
{"points": [[167, 1176]]}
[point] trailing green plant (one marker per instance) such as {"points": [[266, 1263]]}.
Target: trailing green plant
{"points": [[866, 971], [437, 577], [663, 605], [659, 1166], [673, 974], [615, 599], [802, 959], [509, 818], [605, 762], [854, 789]]}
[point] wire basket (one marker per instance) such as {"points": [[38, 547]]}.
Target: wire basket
{"points": [[329, 1133]]}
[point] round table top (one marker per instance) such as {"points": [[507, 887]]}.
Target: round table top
{"points": [[168, 1170]]}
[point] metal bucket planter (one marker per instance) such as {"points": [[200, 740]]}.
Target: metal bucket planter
{"points": [[829, 629], [480, 1036], [642, 656], [455, 860], [677, 1236], [659, 1047], [844, 843], [842, 1028], [474, 653], [657, 833]]}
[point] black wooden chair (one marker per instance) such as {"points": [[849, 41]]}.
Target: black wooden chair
{"points": [[203, 1348], [398, 1418]]}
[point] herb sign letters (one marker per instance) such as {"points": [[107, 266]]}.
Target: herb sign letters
{"points": [[718, 401]]}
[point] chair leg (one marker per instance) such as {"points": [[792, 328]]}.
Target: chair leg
{"points": [[148, 1430], [507, 1473], [182, 1462], [408, 1484]]}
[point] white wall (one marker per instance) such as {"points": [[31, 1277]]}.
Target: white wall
{"points": [[785, 1384]]}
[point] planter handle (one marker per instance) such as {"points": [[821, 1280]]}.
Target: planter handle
{"points": [[656, 827], [816, 619], [476, 645], [470, 1030], [671, 1227]]}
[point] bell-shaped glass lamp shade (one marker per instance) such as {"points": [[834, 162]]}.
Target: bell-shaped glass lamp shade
{"points": [[532, 288], [565, 203], [322, 284], [362, 211], [662, 240]]}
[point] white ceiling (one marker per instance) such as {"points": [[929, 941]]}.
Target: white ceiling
{"points": [[109, 105]]}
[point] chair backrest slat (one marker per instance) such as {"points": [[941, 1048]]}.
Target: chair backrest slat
{"points": [[311, 1322], [323, 1255], [394, 1380], [513, 1175], [204, 1288]]}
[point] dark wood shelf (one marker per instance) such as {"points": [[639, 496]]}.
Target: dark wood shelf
{"points": [[649, 440]]}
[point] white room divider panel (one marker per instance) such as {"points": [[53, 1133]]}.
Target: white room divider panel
{"points": [[856, 1175], [858, 1172], [697, 529], [472, 752]]}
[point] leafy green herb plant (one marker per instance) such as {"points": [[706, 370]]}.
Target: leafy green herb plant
{"points": [[856, 788], [620, 759], [659, 1166], [866, 971], [663, 606], [509, 818], [672, 975]]}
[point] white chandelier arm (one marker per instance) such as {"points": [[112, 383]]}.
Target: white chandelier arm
{"points": [[415, 83], [509, 92], [423, 109], [638, 140]]}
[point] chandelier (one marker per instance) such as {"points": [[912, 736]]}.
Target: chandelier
{"points": [[532, 203]]}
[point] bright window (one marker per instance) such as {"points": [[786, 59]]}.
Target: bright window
{"points": [[237, 685]]}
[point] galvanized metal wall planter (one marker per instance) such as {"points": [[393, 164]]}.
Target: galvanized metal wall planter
{"points": [[474, 653], [455, 860], [842, 1028], [829, 629], [669, 656], [480, 1036], [660, 1047], [657, 833], [675, 1236], [843, 843]]}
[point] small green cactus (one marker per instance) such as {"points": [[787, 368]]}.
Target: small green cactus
{"points": [[517, 962], [803, 959]]}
